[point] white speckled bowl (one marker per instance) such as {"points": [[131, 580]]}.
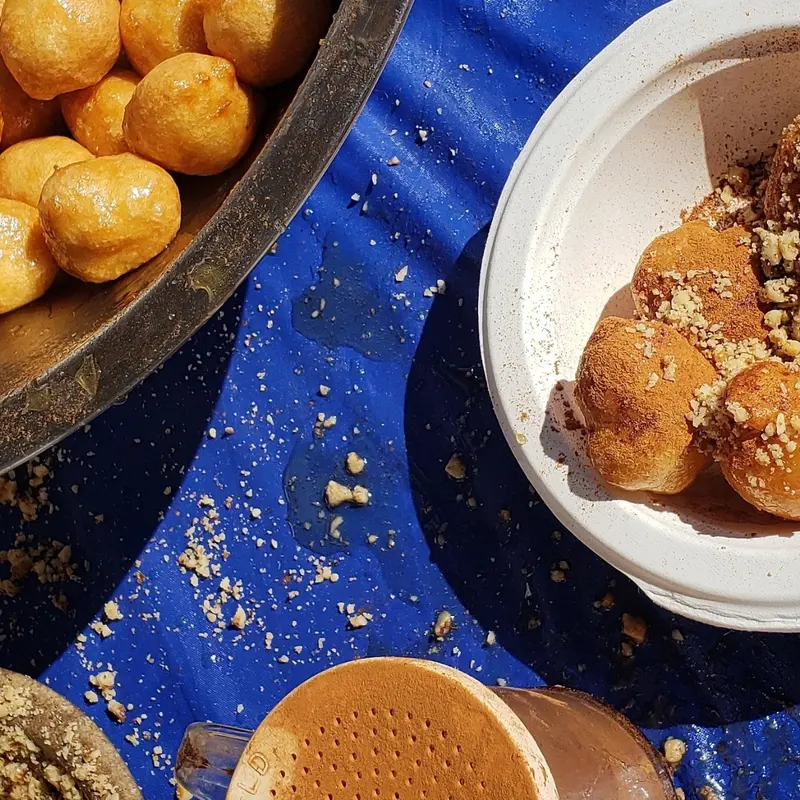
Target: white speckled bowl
{"points": [[639, 135]]}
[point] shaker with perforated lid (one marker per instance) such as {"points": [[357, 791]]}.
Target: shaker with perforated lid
{"points": [[404, 729]]}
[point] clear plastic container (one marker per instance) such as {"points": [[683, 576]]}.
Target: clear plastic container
{"points": [[591, 750]]}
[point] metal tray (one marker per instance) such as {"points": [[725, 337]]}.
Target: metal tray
{"points": [[66, 358]]}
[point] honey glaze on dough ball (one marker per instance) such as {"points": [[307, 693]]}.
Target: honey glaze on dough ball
{"points": [[26, 166], [268, 41], [24, 117], [762, 459], [94, 115], [155, 30], [104, 217], [190, 114], [56, 46], [27, 270], [635, 383], [702, 282]]}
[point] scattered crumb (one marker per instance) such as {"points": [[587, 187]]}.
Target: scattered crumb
{"points": [[443, 624], [635, 628], [455, 468], [626, 648], [674, 750], [101, 629], [336, 524], [359, 620], [239, 619], [116, 710], [361, 496], [355, 464], [104, 681], [49, 564], [336, 494], [606, 601]]}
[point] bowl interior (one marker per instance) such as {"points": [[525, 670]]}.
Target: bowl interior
{"points": [[659, 153], [641, 135]]}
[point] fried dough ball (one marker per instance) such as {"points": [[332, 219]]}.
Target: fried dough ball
{"points": [[26, 166], [24, 117], [782, 193], [155, 30], [635, 383], [94, 115], [762, 459], [57, 46], [27, 269], [268, 41], [703, 283], [104, 217], [190, 114]]}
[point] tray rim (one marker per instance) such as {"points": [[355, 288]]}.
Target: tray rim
{"points": [[169, 311]]}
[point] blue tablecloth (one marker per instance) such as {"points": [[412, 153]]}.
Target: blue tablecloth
{"points": [[459, 98]]}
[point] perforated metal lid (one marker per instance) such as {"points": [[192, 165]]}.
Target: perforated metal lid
{"points": [[392, 729]]}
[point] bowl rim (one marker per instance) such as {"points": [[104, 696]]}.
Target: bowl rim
{"points": [[680, 581], [255, 213]]}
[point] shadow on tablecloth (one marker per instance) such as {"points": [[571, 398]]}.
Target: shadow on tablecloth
{"points": [[496, 545], [111, 488]]}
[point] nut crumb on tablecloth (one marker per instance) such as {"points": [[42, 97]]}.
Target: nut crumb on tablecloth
{"points": [[116, 710], [626, 648], [674, 750], [455, 468], [336, 494], [112, 612], [443, 624], [355, 463], [361, 495], [101, 629], [239, 619], [635, 628], [359, 620], [606, 601]]}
